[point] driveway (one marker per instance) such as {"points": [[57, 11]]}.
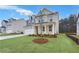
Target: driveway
{"points": [[12, 36]]}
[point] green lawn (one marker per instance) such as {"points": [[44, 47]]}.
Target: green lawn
{"points": [[24, 44], [7, 34]]}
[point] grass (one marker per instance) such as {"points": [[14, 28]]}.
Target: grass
{"points": [[24, 44], [8, 34]]}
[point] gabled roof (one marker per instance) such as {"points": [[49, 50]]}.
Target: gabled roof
{"points": [[45, 11], [5, 21]]}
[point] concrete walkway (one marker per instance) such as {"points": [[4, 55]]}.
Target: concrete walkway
{"points": [[12, 36]]}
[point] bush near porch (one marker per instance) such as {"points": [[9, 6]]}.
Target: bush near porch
{"points": [[44, 35]]}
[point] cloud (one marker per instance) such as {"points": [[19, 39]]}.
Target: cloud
{"points": [[24, 12], [17, 9], [8, 7]]}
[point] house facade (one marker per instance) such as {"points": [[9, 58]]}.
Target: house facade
{"points": [[13, 26], [77, 26], [45, 22]]}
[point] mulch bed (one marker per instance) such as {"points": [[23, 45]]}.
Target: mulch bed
{"points": [[74, 38], [40, 40]]}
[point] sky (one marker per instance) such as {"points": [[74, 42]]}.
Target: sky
{"points": [[23, 11]]}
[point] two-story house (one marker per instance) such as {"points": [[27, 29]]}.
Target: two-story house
{"points": [[45, 22], [13, 26]]}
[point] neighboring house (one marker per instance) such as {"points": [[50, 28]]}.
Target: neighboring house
{"points": [[0, 29], [78, 26], [13, 26], [45, 22], [3, 29]]}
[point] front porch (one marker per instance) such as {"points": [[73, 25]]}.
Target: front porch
{"points": [[45, 29]]}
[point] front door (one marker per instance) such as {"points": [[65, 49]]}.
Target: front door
{"points": [[36, 28]]}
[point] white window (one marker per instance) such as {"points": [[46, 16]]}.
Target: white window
{"points": [[39, 21], [42, 20], [50, 20], [50, 27], [43, 28], [8, 24]]}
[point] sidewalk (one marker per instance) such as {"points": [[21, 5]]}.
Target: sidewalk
{"points": [[8, 37]]}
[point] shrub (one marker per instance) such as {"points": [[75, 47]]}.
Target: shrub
{"points": [[44, 35]]}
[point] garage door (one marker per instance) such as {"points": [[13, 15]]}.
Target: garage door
{"points": [[9, 31], [29, 31]]}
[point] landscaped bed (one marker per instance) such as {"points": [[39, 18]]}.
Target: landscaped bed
{"points": [[25, 44], [74, 38], [40, 40], [44, 35]]}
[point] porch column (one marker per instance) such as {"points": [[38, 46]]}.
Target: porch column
{"points": [[39, 30], [53, 29], [45, 29]]}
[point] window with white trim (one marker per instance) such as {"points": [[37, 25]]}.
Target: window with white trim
{"points": [[50, 27], [43, 28], [50, 20]]}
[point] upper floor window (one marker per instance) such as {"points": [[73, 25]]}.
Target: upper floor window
{"points": [[42, 20], [50, 20], [8, 24], [39, 21]]}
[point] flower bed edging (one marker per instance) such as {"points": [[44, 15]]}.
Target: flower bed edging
{"points": [[40, 40]]}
